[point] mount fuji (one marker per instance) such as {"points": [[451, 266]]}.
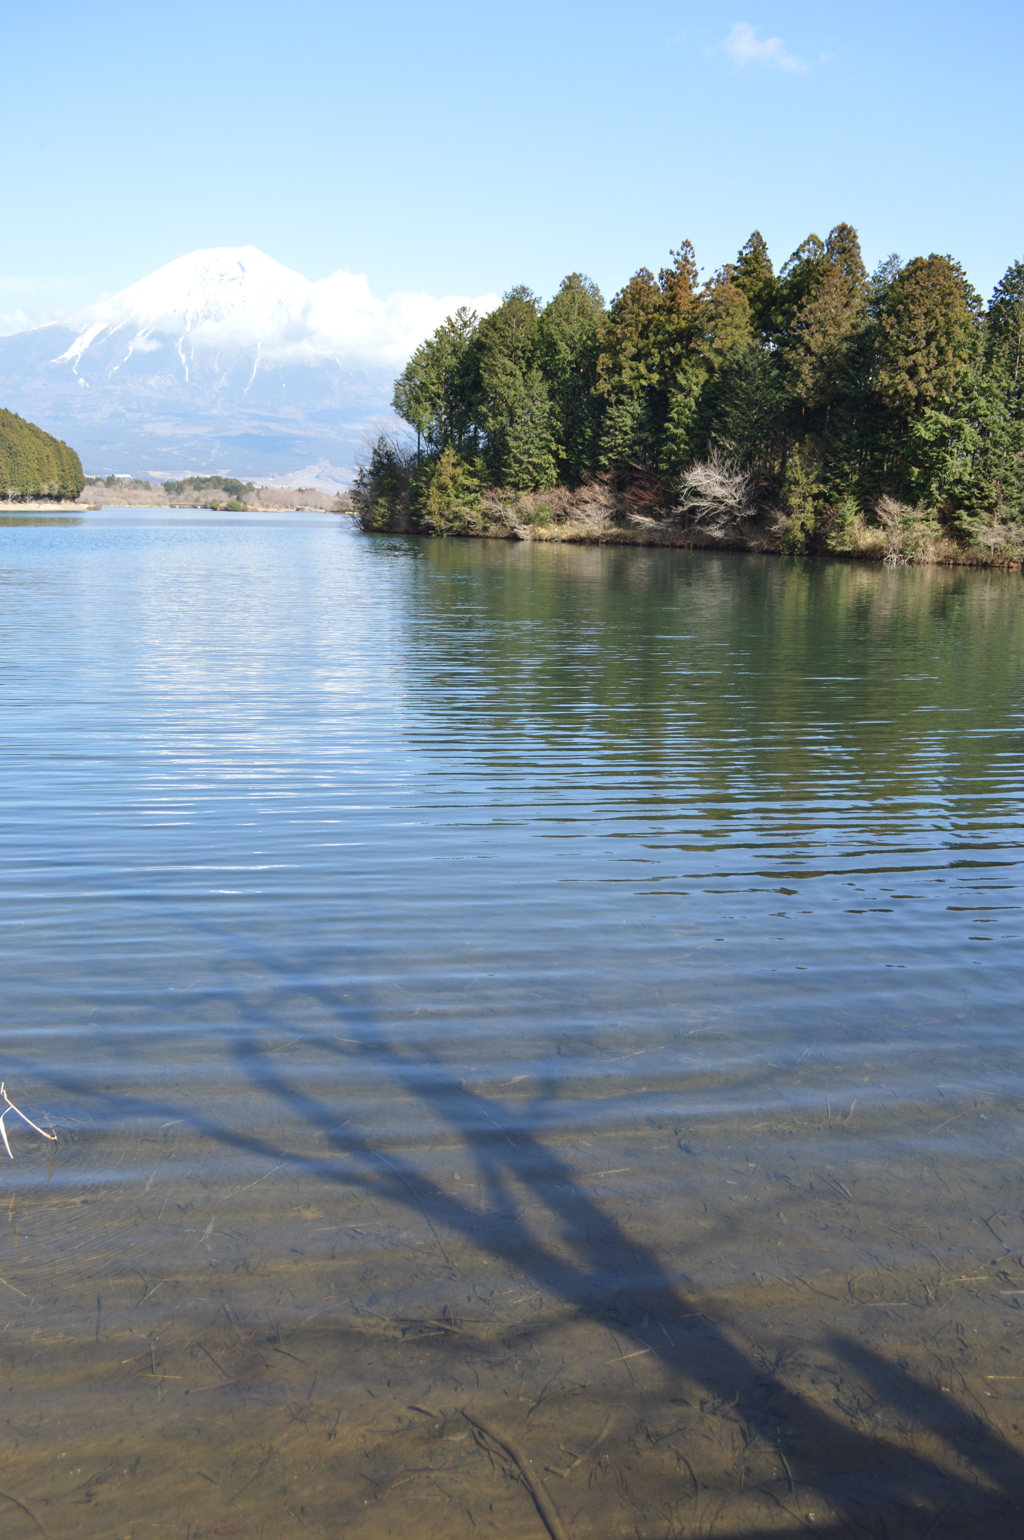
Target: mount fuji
{"points": [[224, 361]]}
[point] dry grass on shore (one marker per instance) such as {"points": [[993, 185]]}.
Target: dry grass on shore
{"points": [[599, 512], [263, 499]]}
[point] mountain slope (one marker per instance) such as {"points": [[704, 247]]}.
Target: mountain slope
{"points": [[222, 361]]}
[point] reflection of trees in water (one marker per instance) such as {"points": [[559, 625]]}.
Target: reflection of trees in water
{"points": [[704, 670]]}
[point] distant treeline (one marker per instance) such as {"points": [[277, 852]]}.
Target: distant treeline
{"points": [[124, 483], [33, 464], [191, 487], [229, 484], [757, 406]]}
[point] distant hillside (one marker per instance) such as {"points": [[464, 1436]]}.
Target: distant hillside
{"points": [[34, 464]]}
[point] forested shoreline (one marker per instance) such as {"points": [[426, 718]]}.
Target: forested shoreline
{"points": [[34, 464], [818, 409]]}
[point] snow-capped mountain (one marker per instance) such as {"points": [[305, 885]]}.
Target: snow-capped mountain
{"points": [[222, 361]]}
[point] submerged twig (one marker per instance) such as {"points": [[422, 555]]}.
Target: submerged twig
{"points": [[595, 1443], [25, 1507], [545, 1507], [12, 1108]]}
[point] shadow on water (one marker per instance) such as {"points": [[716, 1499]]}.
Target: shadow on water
{"points": [[871, 1485]]}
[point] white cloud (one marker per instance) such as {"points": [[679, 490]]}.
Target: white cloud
{"points": [[28, 302], [236, 298], [745, 47], [344, 318]]}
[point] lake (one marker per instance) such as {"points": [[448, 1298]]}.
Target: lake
{"points": [[507, 1002]]}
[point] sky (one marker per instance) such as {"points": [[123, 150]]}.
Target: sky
{"points": [[459, 149]]}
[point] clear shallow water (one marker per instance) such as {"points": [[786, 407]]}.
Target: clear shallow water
{"points": [[441, 888]]}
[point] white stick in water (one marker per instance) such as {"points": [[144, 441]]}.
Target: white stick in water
{"points": [[12, 1108]]}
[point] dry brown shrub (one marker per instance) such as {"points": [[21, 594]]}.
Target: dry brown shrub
{"points": [[908, 532], [589, 510], [717, 497], [596, 506], [997, 542]]}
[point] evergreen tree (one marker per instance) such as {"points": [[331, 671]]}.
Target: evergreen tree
{"points": [[1006, 328], [745, 416], [432, 393], [882, 280], [795, 279], [929, 334], [830, 388], [754, 274], [447, 497], [1004, 395], [380, 492], [724, 320], [727, 343], [568, 345], [927, 378], [510, 396], [682, 368], [34, 464], [629, 377], [832, 309]]}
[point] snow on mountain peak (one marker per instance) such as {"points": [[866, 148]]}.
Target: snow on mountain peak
{"points": [[216, 285], [239, 299]]}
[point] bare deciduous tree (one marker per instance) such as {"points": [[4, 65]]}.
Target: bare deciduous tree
{"points": [[907, 530], [716, 496]]}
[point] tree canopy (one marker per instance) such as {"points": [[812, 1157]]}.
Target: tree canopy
{"points": [[35, 464], [829, 388]]}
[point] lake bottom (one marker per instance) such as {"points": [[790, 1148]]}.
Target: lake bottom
{"points": [[776, 1329]]}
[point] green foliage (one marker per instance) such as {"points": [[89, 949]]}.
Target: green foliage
{"points": [[446, 497], [928, 335], [1006, 328], [830, 389], [724, 321], [802, 492], [652, 369], [568, 346], [929, 380], [629, 377], [745, 413], [832, 309], [836, 522], [511, 396], [382, 488], [882, 280], [33, 464], [754, 275], [195, 484], [433, 392]]}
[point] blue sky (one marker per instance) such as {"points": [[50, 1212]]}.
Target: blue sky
{"points": [[458, 148]]}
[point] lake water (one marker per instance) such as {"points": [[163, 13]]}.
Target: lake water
{"points": [[575, 987]]}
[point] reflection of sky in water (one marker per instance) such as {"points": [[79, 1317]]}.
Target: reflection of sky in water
{"points": [[710, 831]]}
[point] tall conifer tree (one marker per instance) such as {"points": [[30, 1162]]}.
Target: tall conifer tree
{"points": [[1006, 326], [512, 402], [568, 345], [754, 274], [629, 376], [432, 393]]}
